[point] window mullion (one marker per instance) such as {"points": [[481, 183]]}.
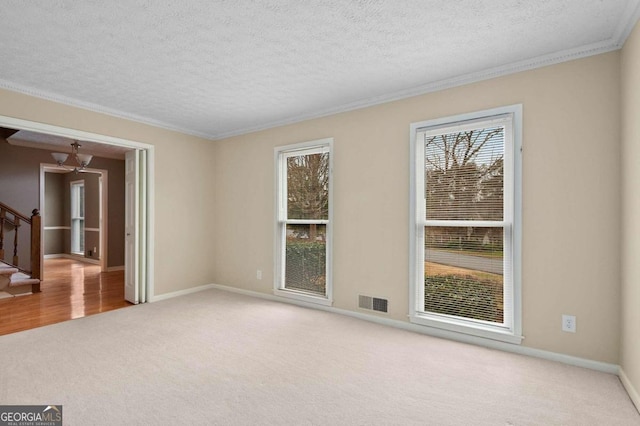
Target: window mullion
{"points": [[466, 223], [305, 221]]}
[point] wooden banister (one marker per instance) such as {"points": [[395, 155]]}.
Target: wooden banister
{"points": [[16, 225], [35, 222], [2, 220], [15, 213], [36, 256]]}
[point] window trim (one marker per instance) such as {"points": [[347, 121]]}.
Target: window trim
{"points": [[280, 154], [513, 334], [75, 186]]}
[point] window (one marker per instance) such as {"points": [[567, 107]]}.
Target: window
{"points": [[77, 217], [465, 223], [303, 221]]}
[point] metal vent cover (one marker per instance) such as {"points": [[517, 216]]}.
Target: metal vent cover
{"points": [[373, 303]]}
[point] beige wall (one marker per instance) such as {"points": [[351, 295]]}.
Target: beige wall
{"points": [[630, 354], [571, 199], [183, 186], [214, 201]]}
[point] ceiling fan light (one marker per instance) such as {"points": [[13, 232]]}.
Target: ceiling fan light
{"points": [[84, 159], [60, 157]]}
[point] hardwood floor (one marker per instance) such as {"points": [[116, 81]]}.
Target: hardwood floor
{"points": [[70, 289]]}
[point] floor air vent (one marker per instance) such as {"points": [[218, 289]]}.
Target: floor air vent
{"points": [[372, 303]]}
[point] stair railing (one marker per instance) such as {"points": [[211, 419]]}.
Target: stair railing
{"points": [[12, 218]]}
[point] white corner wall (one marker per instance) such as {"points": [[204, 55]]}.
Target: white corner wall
{"points": [[630, 309]]}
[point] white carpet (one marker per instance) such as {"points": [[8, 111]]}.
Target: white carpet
{"points": [[218, 358]]}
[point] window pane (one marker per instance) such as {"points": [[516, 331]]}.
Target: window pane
{"points": [[77, 215], [464, 272], [74, 200], [74, 236], [308, 186], [81, 236], [306, 258], [80, 200], [77, 236], [464, 175]]}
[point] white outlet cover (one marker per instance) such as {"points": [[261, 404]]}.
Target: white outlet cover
{"points": [[569, 323]]}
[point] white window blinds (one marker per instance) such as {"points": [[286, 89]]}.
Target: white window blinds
{"points": [[464, 188]]}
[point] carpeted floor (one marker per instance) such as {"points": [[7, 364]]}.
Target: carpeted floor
{"points": [[218, 358]]}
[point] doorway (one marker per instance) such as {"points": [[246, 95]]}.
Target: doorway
{"points": [[138, 262], [75, 214]]}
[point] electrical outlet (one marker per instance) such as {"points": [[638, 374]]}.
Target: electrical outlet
{"points": [[259, 274], [569, 323]]}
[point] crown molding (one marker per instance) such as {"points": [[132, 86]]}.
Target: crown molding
{"points": [[65, 100], [632, 14], [486, 74], [57, 148], [627, 23]]}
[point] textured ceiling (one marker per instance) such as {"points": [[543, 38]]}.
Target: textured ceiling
{"points": [[217, 68]]}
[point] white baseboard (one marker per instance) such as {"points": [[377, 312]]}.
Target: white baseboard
{"points": [[115, 268], [72, 257], [180, 292], [493, 344], [631, 390], [82, 259]]}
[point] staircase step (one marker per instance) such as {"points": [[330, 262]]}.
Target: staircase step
{"points": [[18, 279], [13, 282], [7, 270], [5, 276]]}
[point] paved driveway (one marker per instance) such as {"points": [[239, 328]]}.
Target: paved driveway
{"points": [[476, 263]]}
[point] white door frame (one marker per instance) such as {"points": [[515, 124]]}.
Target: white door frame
{"points": [[104, 206], [134, 226], [17, 123]]}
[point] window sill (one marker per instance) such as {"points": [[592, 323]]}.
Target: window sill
{"points": [[304, 297], [469, 328]]}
